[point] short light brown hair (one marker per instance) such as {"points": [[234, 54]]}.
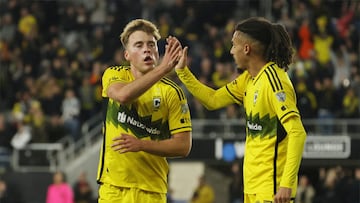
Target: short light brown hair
{"points": [[136, 25]]}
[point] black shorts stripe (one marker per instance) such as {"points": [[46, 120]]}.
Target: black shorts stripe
{"points": [[175, 86]]}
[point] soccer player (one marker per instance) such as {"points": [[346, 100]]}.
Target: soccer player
{"points": [[147, 119], [275, 134]]}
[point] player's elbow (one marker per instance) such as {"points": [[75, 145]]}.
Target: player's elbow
{"points": [[185, 151], [210, 107], [119, 96]]}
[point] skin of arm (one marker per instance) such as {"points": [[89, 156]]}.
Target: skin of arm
{"points": [[178, 146], [297, 136], [127, 92]]}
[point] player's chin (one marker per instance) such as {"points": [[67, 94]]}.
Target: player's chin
{"points": [[148, 66]]}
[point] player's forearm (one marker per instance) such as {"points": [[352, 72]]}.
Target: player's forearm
{"points": [[178, 146], [297, 136], [129, 92], [206, 95]]}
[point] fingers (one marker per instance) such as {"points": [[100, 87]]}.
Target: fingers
{"points": [[185, 51], [120, 143], [173, 45]]}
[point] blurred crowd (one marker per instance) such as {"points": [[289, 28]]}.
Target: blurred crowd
{"points": [[53, 53]]}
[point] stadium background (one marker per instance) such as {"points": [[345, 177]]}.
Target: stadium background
{"points": [[54, 52]]}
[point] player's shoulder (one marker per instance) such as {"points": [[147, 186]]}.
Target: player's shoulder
{"points": [[172, 87], [276, 77]]}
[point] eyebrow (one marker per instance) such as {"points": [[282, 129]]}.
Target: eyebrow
{"points": [[144, 42]]}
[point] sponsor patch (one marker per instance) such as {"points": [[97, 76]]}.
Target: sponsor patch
{"points": [[281, 96], [184, 108]]}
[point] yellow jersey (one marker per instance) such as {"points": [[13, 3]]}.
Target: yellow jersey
{"points": [[269, 100], [157, 114]]}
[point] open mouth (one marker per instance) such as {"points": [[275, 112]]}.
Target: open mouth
{"points": [[148, 59]]}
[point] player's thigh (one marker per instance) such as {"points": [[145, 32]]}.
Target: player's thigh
{"points": [[150, 197], [112, 194]]}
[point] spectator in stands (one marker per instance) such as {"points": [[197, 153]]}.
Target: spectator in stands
{"points": [[327, 190], [82, 190], [350, 104], [38, 124], [222, 75], [305, 191], [8, 29], [355, 187], [87, 98], [340, 59], [305, 36], [28, 23], [71, 113], [236, 190], [23, 134], [306, 100], [55, 128], [204, 193], [328, 102], [7, 130], [59, 191], [9, 194]]}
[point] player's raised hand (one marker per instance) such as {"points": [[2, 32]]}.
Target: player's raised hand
{"points": [[171, 56], [183, 59]]}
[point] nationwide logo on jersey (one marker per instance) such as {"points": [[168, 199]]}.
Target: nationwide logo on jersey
{"points": [[281, 96], [142, 126], [156, 103], [261, 126]]}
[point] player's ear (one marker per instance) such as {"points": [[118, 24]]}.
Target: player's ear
{"points": [[247, 49], [126, 55]]}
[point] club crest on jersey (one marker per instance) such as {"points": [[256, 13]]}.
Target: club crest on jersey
{"points": [[256, 94], [156, 102], [281, 96]]}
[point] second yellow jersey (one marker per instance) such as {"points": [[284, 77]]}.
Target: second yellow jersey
{"points": [[157, 114], [269, 99]]}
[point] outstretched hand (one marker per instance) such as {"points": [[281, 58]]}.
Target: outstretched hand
{"points": [[183, 59], [171, 56]]}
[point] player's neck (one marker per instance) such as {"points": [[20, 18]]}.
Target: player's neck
{"points": [[255, 66]]}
